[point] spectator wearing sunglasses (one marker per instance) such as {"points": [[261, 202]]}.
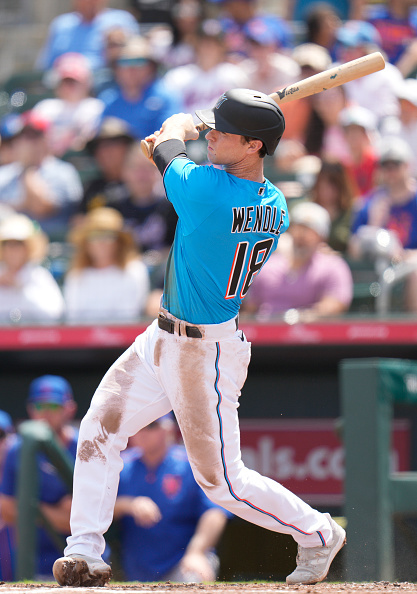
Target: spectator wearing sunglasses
{"points": [[391, 206], [140, 97], [50, 400]]}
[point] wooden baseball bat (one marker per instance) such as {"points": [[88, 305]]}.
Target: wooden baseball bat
{"points": [[334, 77]]}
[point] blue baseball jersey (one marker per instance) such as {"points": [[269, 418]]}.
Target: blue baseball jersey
{"points": [[227, 229], [150, 553], [51, 490]]}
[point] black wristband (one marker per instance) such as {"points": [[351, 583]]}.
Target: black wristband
{"points": [[168, 150]]}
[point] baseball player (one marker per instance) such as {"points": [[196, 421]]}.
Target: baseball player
{"points": [[193, 358]]}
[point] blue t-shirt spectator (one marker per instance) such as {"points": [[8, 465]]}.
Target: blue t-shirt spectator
{"points": [[51, 490]]}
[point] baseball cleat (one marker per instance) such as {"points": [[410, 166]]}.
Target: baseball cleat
{"points": [[313, 563], [80, 570]]}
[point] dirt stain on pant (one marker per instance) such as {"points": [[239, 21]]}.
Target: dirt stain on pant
{"points": [[196, 421], [115, 385]]}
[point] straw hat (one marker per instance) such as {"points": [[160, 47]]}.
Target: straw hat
{"points": [[19, 227], [101, 220]]}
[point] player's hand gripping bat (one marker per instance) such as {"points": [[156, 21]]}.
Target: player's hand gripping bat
{"points": [[334, 77]]}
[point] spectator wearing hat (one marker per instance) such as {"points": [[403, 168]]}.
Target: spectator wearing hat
{"points": [[392, 206], [38, 184], [83, 31], [360, 131], [141, 97], [405, 126], [377, 91], [106, 281], [109, 148], [203, 82], [158, 502], [73, 115], [268, 66], [28, 292], [309, 281], [50, 400]]}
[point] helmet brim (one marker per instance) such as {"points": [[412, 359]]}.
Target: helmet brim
{"points": [[207, 117]]}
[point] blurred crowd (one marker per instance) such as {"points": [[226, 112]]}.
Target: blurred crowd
{"points": [[85, 228]]}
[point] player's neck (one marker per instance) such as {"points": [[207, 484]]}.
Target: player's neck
{"points": [[251, 170]]}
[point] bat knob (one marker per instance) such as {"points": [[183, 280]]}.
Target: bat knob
{"points": [[147, 148]]}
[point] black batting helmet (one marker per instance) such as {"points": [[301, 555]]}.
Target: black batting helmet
{"points": [[248, 113]]}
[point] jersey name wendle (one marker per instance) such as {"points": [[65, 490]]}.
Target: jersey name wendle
{"points": [[258, 219]]}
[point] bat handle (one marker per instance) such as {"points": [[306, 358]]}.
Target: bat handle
{"points": [[147, 147]]}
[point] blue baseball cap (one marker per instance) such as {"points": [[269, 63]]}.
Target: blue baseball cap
{"points": [[265, 30], [357, 33], [50, 388], [6, 423]]}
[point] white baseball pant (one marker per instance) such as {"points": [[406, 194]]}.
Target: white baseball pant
{"points": [[200, 379]]}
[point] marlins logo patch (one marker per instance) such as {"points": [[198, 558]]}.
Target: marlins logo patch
{"points": [[222, 99]]}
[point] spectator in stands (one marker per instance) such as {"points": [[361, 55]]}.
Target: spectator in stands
{"points": [[268, 65], [73, 115], [311, 58], [377, 91], [309, 282], [325, 136], [391, 206], [405, 126], [160, 502], [105, 77], [141, 97], [106, 281], [204, 81], [187, 17], [7, 536], [28, 292], [333, 190], [37, 183], [236, 18], [322, 21], [109, 148], [83, 31], [394, 23], [50, 400], [359, 126], [149, 216], [147, 213]]}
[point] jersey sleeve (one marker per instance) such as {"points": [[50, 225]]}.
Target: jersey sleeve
{"points": [[195, 191]]}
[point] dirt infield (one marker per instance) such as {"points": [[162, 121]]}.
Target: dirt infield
{"points": [[220, 588]]}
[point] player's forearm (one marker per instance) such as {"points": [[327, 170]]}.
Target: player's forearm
{"points": [[177, 127], [208, 531]]}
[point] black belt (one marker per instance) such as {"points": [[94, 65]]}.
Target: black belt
{"points": [[191, 331], [169, 326]]}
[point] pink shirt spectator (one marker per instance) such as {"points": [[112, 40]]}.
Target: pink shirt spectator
{"points": [[281, 288]]}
